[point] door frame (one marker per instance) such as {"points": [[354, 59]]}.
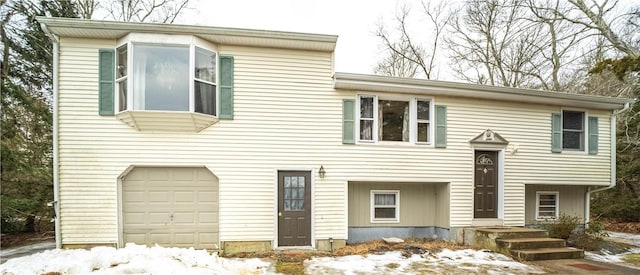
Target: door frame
{"points": [[312, 181], [500, 150]]}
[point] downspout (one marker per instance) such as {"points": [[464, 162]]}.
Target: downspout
{"points": [[587, 196], [56, 193]]}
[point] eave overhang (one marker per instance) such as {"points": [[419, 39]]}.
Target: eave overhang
{"points": [[71, 27], [374, 83]]}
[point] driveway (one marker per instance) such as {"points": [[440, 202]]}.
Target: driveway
{"points": [[20, 251]]}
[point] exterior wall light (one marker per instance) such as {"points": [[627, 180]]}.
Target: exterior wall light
{"points": [[321, 172]]}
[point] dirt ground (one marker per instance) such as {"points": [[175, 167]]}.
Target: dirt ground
{"points": [[624, 227], [24, 238]]}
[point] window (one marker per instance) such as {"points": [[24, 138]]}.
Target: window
{"points": [[573, 130], [385, 206], [166, 78], [547, 205], [395, 120], [424, 122]]}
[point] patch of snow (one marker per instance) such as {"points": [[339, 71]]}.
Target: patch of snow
{"points": [[609, 257], [445, 261], [133, 259], [628, 238]]}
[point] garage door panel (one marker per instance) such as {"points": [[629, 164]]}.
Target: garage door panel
{"points": [[133, 196], [171, 207], [183, 217], [204, 196], [158, 196], [157, 218], [159, 238], [208, 217], [208, 238], [183, 197], [137, 237], [184, 175], [184, 238], [135, 218], [158, 174]]}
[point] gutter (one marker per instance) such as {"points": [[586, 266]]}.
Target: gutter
{"points": [[587, 197], [56, 185]]}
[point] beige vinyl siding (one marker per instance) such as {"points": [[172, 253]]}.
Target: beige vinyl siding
{"points": [[570, 198], [442, 205], [287, 116], [418, 204], [276, 91]]}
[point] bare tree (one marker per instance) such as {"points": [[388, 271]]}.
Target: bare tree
{"points": [[595, 18], [396, 63], [158, 11], [562, 53], [492, 44], [405, 56], [86, 8]]}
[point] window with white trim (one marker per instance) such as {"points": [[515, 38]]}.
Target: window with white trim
{"points": [[573, 130], [403, 119], [547, 205], [166, 77], [385, 206]]}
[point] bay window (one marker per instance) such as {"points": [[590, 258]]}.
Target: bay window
{"points": [[166, 77]]}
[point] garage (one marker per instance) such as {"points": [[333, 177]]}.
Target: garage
{"points": [[176, 207]]}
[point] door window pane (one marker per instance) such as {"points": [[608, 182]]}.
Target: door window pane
{"points": [[294, 191]]}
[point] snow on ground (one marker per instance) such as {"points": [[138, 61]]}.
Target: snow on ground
{"points": [[133, 259], [139, 259], [631, 239], [611, 257], [446, 261]]}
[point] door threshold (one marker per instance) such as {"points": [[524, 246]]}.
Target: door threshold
{"points": [[487, 222], [295, 248]]}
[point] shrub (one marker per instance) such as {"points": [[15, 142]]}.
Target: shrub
{"points": [[570, 228], [563, 227]]}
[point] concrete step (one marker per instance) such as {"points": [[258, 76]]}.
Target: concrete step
{"points": [[539, 254], [529, 243], [512, 232]]}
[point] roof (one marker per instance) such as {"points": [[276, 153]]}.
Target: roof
{"points": [[375, 83], [72, 27]]}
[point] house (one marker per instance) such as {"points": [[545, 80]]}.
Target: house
{"points": [[247, 140]]}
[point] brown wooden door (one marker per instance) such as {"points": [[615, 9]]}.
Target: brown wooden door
{"points": [[294, 208], [486, 185]]}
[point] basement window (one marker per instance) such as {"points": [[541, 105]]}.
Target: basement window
{"points": [[385, 206], [547, 205]]}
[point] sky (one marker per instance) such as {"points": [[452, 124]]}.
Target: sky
{"points": [[354, 21]]}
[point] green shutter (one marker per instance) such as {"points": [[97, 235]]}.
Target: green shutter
{"points": [[593, 135], [348, 121], [556, 133], [106, 76], [441, 126], [226, 87]]}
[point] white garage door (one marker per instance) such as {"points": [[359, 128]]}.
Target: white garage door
{"points": [[170, 207]]}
